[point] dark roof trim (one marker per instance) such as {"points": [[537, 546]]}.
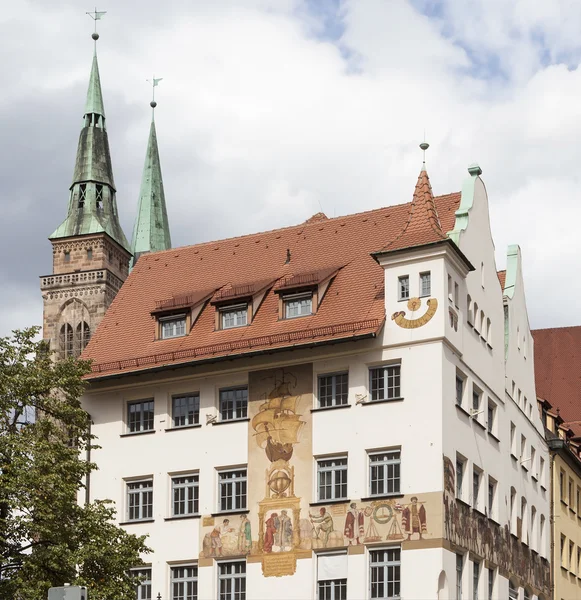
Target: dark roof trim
{"points": [[203, 361], [447, 241]]}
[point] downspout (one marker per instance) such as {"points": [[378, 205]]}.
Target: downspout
{"points": [[552, 517], [88, 457]]}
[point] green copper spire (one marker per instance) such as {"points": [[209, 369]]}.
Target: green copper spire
{"points": [[151, 230], [92, 204]]}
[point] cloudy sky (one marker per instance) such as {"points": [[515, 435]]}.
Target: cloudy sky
{"points": [[272, 110]]}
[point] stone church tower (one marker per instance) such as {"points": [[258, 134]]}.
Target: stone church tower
{"points": [[91, 254]]}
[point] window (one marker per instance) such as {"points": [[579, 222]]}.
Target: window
{"points": [[403, 287], [185, 495], [456, 294], [332, 478], [542, 536], [139, 500], [99, 196], [184, 583], [491, 417], [89, 254], [524, 536], [476, 473], [459, 570], [533, 462], [232, 489], [563, 557], [562, 486], [512, 512], [234, 316], [425, 284], [66, 342], [459, 389], [512, 591], [232, 580], [523, 446], [185, 410], [534, 540], [233, 403], [385, 573], [475, 579], [385, 382], [298, 305], [173, 327], [542, 470], [571, 564], [490, 583], [578, 560], [476, 396], [491, 497], [82, 337], [571, 496], [144, 587], [526, 594], [384, 473], [82, 194], [459, 477], [450, 297], [331, 576], [140, 416], [333, 390], [578, 498], [513, 439]]}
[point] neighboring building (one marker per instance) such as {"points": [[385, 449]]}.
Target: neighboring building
{"points": [[90, 252], [557, 367], [341, 409]]}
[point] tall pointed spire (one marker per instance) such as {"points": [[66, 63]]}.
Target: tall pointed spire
{"points": [[423, 224], [92, 204], [151, 231]]}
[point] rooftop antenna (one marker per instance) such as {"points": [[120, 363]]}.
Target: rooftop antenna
{"points": [[96, 16], [154, 83]]}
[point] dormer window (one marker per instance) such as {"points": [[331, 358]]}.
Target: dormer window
{"points": [[298, 305], [403, 285], [234, 316], [172, 327]]}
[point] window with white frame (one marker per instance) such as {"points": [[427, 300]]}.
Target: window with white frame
{"points": [[298, 305], [459, 573], [476, 397], [459, 388], [533, 462], [184, 582], [512, 591], [140, 416], [385, 575], [403, 287], [476, 481], [332, 576], [526, 594], [234, 403], [185, 495], [460, 465], [490, 583], [185, 410], [172, 327], [523, 446], [425, 284], [234, 316], [140, 500], [332, 478], [491, 417], [143, 591], [513, 439], [384, 472], [232, 489], [232, 580], [475, 579], [333, 390], [385, 382], [491, 498]]}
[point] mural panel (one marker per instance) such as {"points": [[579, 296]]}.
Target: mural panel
{"points": [[472, 530]]}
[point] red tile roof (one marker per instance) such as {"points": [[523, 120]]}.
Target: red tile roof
{"points": [[353, 304], [558, 369], [502, 279]]}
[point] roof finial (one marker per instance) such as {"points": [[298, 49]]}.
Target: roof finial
{"points": [[154, 83], [96, 16], [424, 146]]}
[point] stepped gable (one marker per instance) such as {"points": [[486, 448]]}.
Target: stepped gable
{"points": [[558, 369], [353, 305]]}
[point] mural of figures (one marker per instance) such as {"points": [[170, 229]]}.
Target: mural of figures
{"points": [[220, 536], [244, 535], [322, 529], [474, 531], [354, 524], [414, 518], [284, 534]]}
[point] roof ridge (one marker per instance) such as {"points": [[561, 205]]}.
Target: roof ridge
{"points": [[556, 328], [303, 224]]}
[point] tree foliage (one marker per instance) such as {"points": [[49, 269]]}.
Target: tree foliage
{"points": [[48, 535]]}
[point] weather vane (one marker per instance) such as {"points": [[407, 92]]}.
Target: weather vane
{"points": [[154, 83], [424, 146], [96, 16]]}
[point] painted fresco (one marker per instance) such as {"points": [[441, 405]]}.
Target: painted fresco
{"points": [[472, 530]]}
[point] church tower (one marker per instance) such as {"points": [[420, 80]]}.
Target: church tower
{"points": [[151, 230], [90, 251]]}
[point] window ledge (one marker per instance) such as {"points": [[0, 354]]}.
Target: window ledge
{"points": [[382, 497], [324, 502], [227, 513], [180, 427], [370, 402], [335, 406], [543, 488], [490, 434], [513, 456], [463, 502], [137, 522], [462, 409], [132, 433], [477, 510], [534, 478], [227, 421], [563, 503], [494, 520], [481, 425], [571, 510], [183, 517]]}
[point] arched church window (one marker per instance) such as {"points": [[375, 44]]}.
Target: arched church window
{"points": [[83, 337], [66, 342]]}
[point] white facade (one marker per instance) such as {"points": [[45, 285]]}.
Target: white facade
{"points": [[465, 339]]}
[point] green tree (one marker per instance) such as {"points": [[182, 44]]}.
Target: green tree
{"points": [[48, 536]]}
